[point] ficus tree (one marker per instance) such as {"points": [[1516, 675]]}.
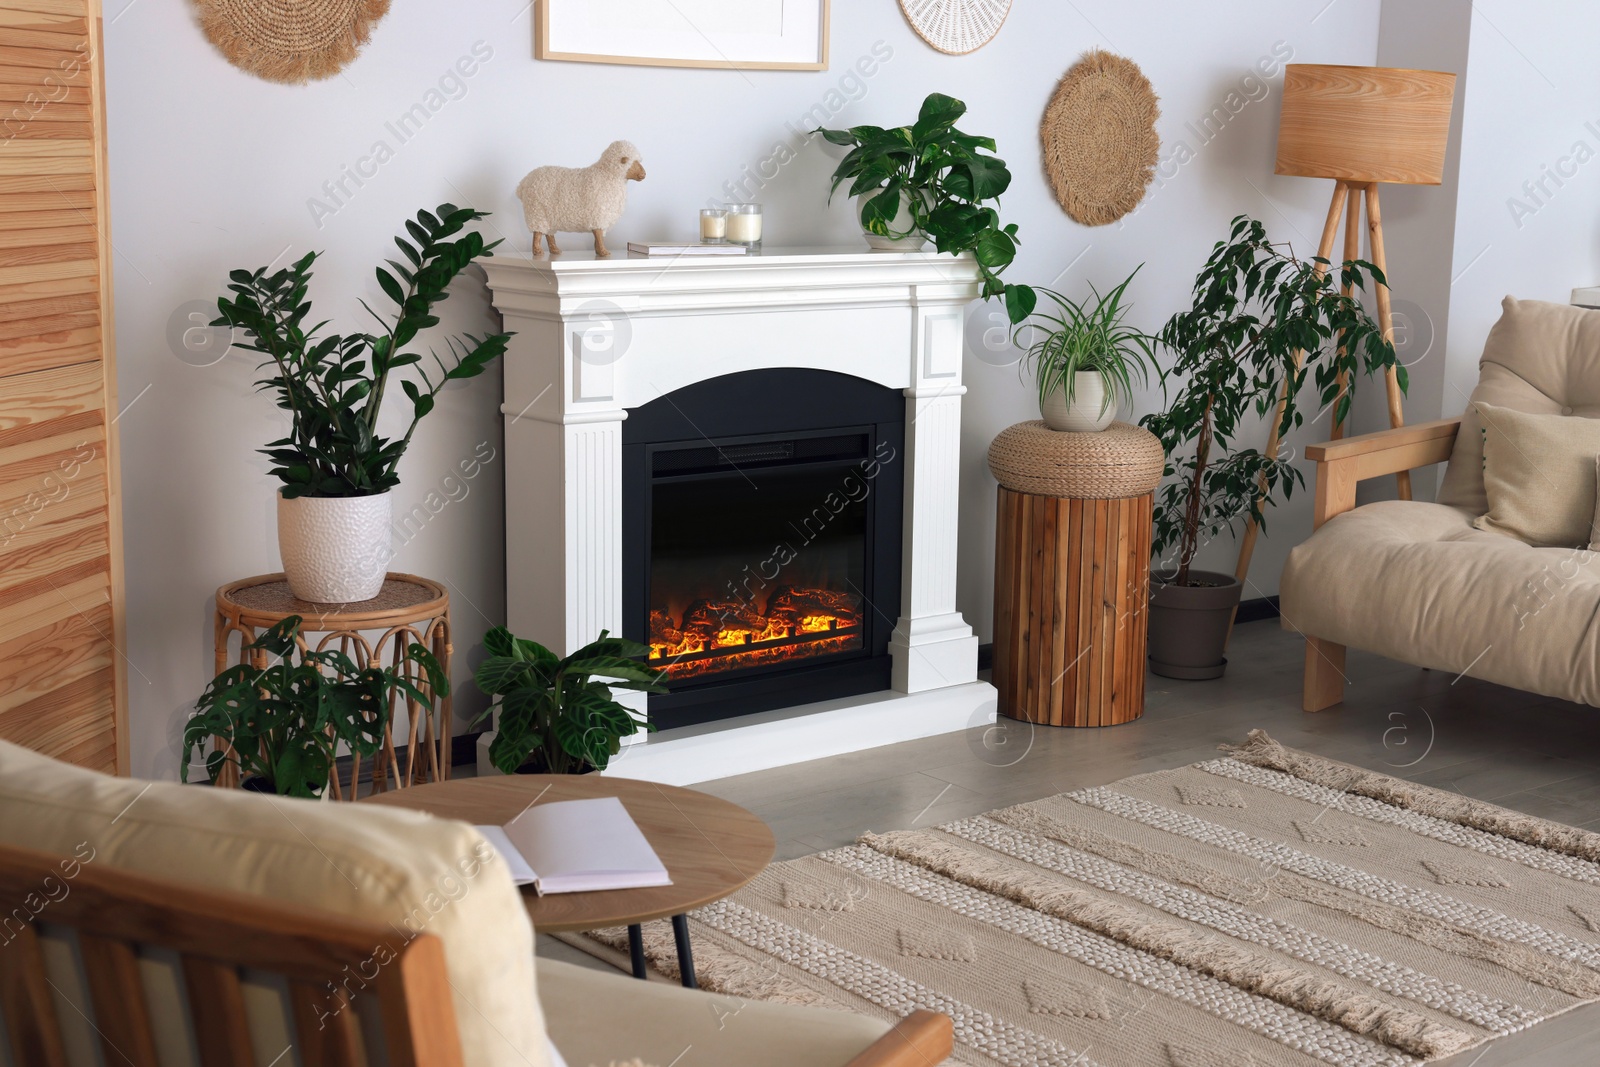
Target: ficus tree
{"points": [[1263, 324]]}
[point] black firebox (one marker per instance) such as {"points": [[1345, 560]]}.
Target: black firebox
{"points": [[761, 525]]}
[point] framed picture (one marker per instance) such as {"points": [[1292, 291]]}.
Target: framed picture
{"points": [[725, 34]]}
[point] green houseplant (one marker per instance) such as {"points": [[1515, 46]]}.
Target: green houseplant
{"points": [[931, 181], [1263, 323], [284, 722], [559, 711], [335, 466], [1084, 357]]}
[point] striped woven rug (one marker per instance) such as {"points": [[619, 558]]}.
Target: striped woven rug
{"points": [[1265, 908]]}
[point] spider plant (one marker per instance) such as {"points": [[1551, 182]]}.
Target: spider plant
{"points": [[1086, 335]]}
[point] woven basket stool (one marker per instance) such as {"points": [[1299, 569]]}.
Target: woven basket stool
{"points": [[1072, 572]]}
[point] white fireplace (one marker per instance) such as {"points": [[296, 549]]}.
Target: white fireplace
{"points": [[596, 338]]}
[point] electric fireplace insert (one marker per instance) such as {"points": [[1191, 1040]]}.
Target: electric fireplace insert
{"points": [[762, 540]]}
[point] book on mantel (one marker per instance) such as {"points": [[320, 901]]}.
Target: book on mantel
{"points": [[669, 248], [577, 846]]}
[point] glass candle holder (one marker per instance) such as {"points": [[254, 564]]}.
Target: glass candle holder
{"points": [[713, 226], [744, 225]]}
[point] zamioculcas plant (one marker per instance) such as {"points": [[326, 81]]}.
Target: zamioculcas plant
{"points": [[283, 723], [931, 179], [559, 710], [1257, 311], [334, 385]]}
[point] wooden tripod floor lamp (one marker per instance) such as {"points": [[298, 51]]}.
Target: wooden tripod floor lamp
{"points": [[1360, 126]]}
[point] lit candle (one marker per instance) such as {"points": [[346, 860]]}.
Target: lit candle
{"points": [[713, 226], [744, 224]]}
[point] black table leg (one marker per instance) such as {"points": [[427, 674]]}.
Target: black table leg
{"points": [[680, 934], [636, 950]]}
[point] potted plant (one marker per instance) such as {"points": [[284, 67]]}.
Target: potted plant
{"points": [[1084, 357], [930, 181], [283, 723], [336, 467], [1262, 322], [560, 711]]}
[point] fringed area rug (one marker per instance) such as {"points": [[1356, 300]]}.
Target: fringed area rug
{"points": [[1267, 908]]}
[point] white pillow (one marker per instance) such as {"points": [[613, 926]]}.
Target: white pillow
{"points": [[381, 864]]}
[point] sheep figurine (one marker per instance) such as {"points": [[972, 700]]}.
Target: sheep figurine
{"points": [[573, 199]]}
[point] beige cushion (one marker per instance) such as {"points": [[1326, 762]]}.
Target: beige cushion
{"points": [[1540, 358], [663, 1020], [1539, 475], [1417, 582], [410, 870]]}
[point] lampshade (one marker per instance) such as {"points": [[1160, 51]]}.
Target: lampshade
{"points": [[1364, 124]]}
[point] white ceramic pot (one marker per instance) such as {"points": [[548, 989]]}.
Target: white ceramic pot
{"points": [[335, 550], [1089, 411], [912, 242]]}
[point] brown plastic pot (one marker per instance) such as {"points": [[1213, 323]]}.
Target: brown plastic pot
{"points": [[1189, 625]]}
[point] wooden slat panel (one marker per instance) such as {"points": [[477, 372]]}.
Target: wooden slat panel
{"points": [[79, 231], [60, 22], [63, 60], [121, 1016], [78, 268], [55, 605], [47, 194], [53, 184], [216, 1006], [30, 1011], [41, 129], [45, 306], [49, 326], [79, 8], [69, 723], [38, 103], [30, 400], [57, 214], [31, 253], [47, 659], [33, 487], [63, 38]]}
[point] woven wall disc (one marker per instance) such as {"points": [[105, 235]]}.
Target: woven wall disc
{"points": [[1100, 141], [291, 41], [1119, 461], [956, 27]]}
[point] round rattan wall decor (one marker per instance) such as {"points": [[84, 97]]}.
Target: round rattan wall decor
{"points": [[956, 27], [1099, 136], [291, 41]]}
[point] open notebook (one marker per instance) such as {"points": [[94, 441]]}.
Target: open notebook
{"points": [[577, 846]]}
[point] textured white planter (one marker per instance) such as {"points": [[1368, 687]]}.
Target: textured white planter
{"points": [[912, 242], [1084, 414], [335, 550]]}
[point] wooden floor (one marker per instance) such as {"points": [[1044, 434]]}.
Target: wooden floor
{"points": [[1529, 753]]}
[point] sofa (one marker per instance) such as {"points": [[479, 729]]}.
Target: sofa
{"points": [[149, 922], [1424, 582]]}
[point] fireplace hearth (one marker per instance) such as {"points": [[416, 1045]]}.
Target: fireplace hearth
{"points": [[757, 564]]}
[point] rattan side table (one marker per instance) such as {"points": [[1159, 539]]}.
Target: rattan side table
{"points": [[1072, 572], [407, 609]]}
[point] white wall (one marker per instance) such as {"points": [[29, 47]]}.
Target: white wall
{"points": [[213, 169], [1528, 217]]}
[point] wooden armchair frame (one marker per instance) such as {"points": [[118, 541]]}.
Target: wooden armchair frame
{"points": [[1341, 466], [216, 935], [115, 913]]}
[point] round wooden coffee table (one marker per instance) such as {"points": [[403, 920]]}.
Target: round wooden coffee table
{"points": [[710, 848]]}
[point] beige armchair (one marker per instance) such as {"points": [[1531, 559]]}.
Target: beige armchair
{"points": [[146, 922], [1417, 581]]}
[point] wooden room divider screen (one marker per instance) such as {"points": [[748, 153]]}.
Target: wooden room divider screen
{"points": [[62, 673]]}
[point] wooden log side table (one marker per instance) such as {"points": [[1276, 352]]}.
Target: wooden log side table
{"points": [[711, 847], [1072, 572], [407, 609]]}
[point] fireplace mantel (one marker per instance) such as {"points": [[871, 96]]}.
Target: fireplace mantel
{"points": [[596, 337]]}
